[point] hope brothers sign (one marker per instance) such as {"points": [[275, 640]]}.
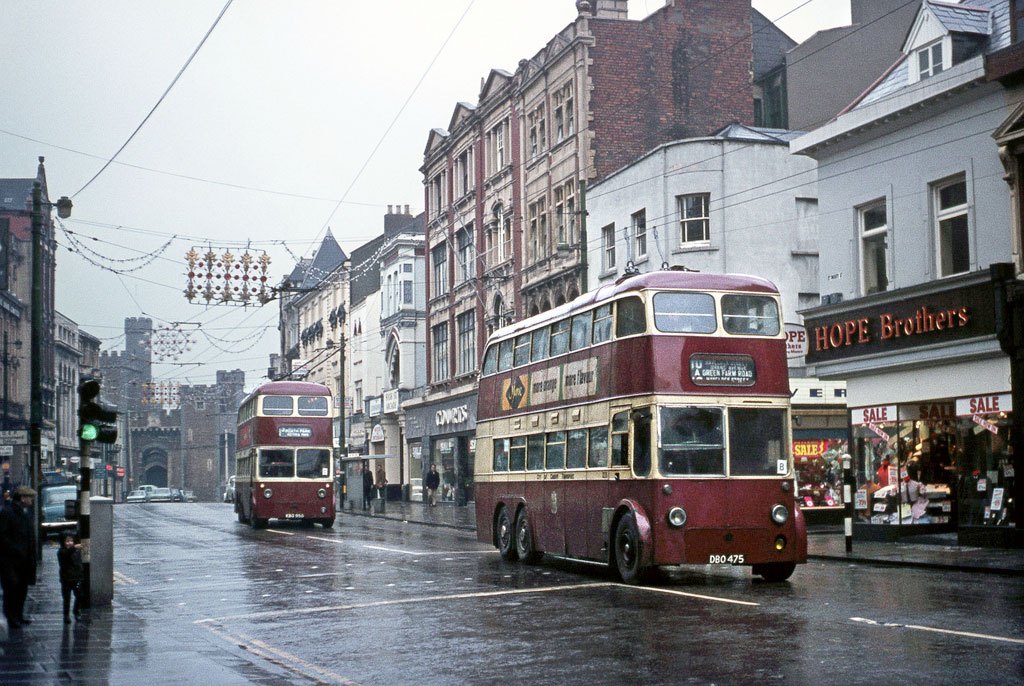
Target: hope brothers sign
{"points": [[935, 318]]}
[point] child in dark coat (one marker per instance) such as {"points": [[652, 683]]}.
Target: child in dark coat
{"points": [[69, 559]]}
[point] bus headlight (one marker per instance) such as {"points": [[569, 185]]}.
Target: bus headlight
{"points": [[780, 514], [322, 493], [676, 517], [267, 493]]}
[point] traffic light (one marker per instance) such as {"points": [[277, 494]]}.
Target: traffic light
{"points": [[96, 422]]}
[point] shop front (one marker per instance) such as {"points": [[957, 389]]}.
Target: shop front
{"points": [[820, 434], [928, 389], [444, 433]]}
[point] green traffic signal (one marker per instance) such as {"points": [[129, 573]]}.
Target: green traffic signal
{"points": [[88, 432]]}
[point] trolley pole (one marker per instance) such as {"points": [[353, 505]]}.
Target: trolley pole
{"points": [[848, 484]]}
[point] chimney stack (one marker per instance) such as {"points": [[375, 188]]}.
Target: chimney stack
{"points": [[407, 210], [611, 9], [389, 209]]}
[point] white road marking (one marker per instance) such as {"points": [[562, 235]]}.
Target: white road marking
{"points": [[918, 627], [118, 576], [283, 533], [671, 591], [404, 601], [281, 658], [439, 552]]}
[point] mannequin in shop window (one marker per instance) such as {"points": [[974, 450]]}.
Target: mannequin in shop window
{"points": [[912, 493]]}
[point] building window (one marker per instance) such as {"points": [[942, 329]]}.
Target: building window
{"points": [[439, 259], [929, 60], [467, 255], [608, 247], [464, 173], [466, 323], [407, 292], [438, 195], [951, 223], [439, 338], [694, 218], [506, 236], [639, 221], [874, 252], [538, 234], [538, 132]]}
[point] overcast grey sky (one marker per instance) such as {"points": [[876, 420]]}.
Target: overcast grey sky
{"points": [[258, 141]]}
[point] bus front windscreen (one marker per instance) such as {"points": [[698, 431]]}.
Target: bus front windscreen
{"points": [[313, 463], [692, 442]]}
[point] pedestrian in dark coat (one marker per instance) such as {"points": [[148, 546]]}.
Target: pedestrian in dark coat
{"points": [[433, 481], [367, 487], [17, 557], [69, 559]]}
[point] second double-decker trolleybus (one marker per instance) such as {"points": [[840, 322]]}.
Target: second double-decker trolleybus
{"points": [[283, 459], [644, 423]]}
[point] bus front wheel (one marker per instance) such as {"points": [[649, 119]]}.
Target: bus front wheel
{"points": [[627, 550], [524, 539], [775, 571], [327, 523], [505, 536]]}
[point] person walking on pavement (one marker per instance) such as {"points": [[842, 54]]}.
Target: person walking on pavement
{"points": [[17, 557], [433, 482], [69, 560]]}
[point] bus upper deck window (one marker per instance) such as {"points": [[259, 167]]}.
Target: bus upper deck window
{"points": [[630, 317], [522, 350], [540, 344], [603, 324], [580, 335], [559, 337], [491, 360], [277, 405], [312, 406], [677, 312], [505, 356], [750, 315]]}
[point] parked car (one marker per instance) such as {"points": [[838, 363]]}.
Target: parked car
{"points": [[177, 495], [190, 496], [51, 512], [161, 495], [137, 496], [229, 490], [148, 489]]}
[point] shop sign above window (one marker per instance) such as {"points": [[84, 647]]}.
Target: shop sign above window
{"points": [[984, 404], [952, 315], [874, 415]]}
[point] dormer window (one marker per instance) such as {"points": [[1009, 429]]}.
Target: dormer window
{"points": [[929, 60]]}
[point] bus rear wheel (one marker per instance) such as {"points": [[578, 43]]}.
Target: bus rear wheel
{"points": [[503, 533], [775, 571], [626, 550], [524, 539]]}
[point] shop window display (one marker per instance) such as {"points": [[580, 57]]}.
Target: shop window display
{"points": [[934, 474], [819, 471]]}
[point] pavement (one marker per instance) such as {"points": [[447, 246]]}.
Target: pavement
{"points": [[824, 542]]}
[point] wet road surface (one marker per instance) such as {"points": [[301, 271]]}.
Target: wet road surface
{"points": [[202, 598]]}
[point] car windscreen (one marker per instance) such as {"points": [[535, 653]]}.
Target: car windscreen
{"points": [[57, 496]]}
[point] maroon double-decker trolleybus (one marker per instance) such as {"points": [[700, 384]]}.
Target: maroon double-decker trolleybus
{"points": [[283, 457], [644, 423]]}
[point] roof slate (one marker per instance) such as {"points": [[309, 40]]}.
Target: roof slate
{"points": [[963, 18]]}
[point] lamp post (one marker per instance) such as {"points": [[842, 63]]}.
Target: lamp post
{"points": [[36, 412], [342, 436]]}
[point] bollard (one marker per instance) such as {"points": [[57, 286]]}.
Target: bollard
{"points": [[848, 484]]}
